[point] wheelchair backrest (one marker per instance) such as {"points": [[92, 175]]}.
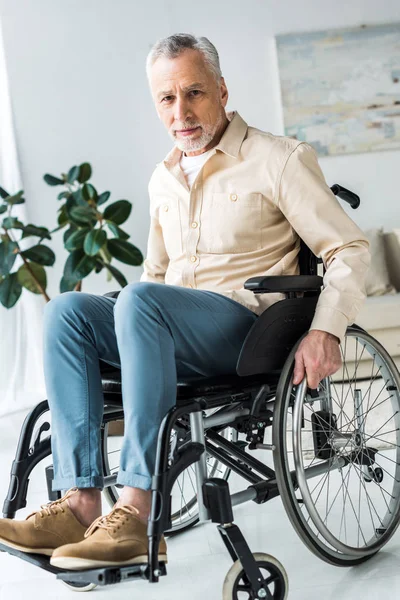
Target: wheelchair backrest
{"points": [[275, 332], [273, 335]]}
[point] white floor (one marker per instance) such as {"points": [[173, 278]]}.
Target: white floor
{"points": [[198, 561]]}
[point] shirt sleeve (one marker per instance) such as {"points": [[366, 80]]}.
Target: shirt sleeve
{"points": [[156, 262], [316, 215]]}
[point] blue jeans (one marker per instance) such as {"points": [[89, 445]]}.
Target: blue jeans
{"points": [[155, 333]]}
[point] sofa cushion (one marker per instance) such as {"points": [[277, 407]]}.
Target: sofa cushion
{"points": [[377, 280], [392, 249], [380, 312]]}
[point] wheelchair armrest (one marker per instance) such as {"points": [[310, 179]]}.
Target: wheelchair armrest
{"points": [[284, 283], [112, 294]]}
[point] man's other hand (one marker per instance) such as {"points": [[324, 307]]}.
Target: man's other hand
{"points": [[317, 357]]}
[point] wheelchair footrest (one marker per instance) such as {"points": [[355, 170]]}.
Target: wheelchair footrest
{"points": [[110, 575], [100, 576]]}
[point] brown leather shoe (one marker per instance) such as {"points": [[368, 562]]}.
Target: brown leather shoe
{"points": [[119, 538], [43, 531]]}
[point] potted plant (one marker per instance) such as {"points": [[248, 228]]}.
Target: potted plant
{"points": [[86, 238], [31, 273]]}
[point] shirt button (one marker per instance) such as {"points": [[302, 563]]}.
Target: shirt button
{"points": [[194, 224], [233, 197], [193, 258], [166, 207]]}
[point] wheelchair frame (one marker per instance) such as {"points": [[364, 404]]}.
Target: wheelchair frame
{"points": [[215, 502], [255, 386]]}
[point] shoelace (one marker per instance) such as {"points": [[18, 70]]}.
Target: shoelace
{"points": [[112, 520], [52, 508]]}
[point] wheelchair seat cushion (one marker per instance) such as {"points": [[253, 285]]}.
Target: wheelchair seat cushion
{"points": [[189, 387]]}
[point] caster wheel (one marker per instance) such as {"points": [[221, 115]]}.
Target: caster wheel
{"points": [[236, 583], [377, 475], [374, 475], [79, 586]]}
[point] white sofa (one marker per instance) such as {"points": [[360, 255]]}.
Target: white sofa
{"points": [[380, 315]]}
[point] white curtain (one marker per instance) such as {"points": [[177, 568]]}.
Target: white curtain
{"points": [[21, 368]]}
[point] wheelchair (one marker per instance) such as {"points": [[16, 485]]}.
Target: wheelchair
{"points": [[335, 449]]}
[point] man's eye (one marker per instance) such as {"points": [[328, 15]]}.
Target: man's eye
{"points": [[195, 92], [166, 99]]}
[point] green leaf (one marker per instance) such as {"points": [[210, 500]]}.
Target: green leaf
{"points": [[99, 266], [51, 180], [12, 223], [125, 252], [63, 216], [26, 279], [105, 254], [118, 212], [16, 198], [78, 266], [73, 174], [66, 285], [83, 215], [70, 204], [103, 198], [79, 199], [3, 208], [68, 232], [41, 232], [63, 195], [41, 254], [7, 256], [85, 172], [117, 231], [10, 290], [3, 193], [117, 275], [94, 240], [76, 239], [89, 192]]}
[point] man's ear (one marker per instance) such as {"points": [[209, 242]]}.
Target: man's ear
{"points": [[224, 92]]}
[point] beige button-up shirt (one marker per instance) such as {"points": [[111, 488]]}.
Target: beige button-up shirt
{"points": [[254, 198]]}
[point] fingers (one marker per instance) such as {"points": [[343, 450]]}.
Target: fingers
{"points": [[299, 369], [313, 379], [316, 360]]}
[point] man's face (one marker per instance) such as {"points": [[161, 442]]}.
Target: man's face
{"points": [[189, 101]]}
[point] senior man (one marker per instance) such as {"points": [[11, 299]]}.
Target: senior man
{"points": [[229, 202]]}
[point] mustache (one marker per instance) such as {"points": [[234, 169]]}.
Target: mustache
{"points": [[186, 126]]}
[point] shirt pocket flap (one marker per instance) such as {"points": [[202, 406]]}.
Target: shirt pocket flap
{"points": [[240, 199]]}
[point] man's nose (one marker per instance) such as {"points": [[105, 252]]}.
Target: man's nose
{"points": [[182, 110]]}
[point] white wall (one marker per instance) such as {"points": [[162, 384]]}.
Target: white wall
{"points": [[79, 93]]}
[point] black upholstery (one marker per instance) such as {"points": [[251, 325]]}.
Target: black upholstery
{"points": [[188, 387], [273, 335]]}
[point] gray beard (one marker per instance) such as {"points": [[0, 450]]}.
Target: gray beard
{"points": [[198, 143]]}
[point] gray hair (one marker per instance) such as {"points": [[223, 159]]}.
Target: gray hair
{"points": [[174, 45]]}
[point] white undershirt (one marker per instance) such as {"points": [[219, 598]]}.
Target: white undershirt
{"points": [[191, 165]]}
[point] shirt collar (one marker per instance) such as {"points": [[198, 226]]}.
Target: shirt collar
{"points": [[230, 142]]}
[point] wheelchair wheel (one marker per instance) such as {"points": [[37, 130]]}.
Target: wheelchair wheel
{"points": [[237, 586], [184, 508], [337, 452]]}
